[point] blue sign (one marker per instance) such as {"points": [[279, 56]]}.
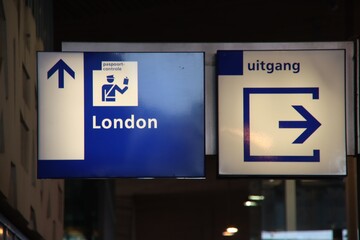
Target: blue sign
{"points": [[121, 115]]}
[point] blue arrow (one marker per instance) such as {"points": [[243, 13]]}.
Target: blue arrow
{"points": [[310, 124], [61, 67]]}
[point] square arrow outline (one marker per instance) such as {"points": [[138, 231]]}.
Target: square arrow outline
{"points": [[246, 101]]}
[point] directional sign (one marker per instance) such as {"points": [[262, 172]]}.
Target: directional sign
{"points": [[282, 112], [121, 115], [61, 67], [310, 124]]}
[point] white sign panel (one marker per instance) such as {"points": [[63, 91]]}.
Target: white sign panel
{"points": [[282, 112], [67, 102]]}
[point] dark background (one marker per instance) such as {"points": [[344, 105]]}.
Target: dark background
{"points": [[205, 21]]}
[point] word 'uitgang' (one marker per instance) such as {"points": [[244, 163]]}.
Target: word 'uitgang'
{"points": [[271, 67]]}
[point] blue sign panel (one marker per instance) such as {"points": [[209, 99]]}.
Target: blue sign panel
{"points": [[121, 115]]}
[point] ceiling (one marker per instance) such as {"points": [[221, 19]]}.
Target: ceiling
{"points": [[202, 21]]}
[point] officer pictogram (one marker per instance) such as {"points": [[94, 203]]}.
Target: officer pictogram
{"points": [[110, 89]]}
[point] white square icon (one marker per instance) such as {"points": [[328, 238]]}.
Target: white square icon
{"points": [[116, 84]]}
